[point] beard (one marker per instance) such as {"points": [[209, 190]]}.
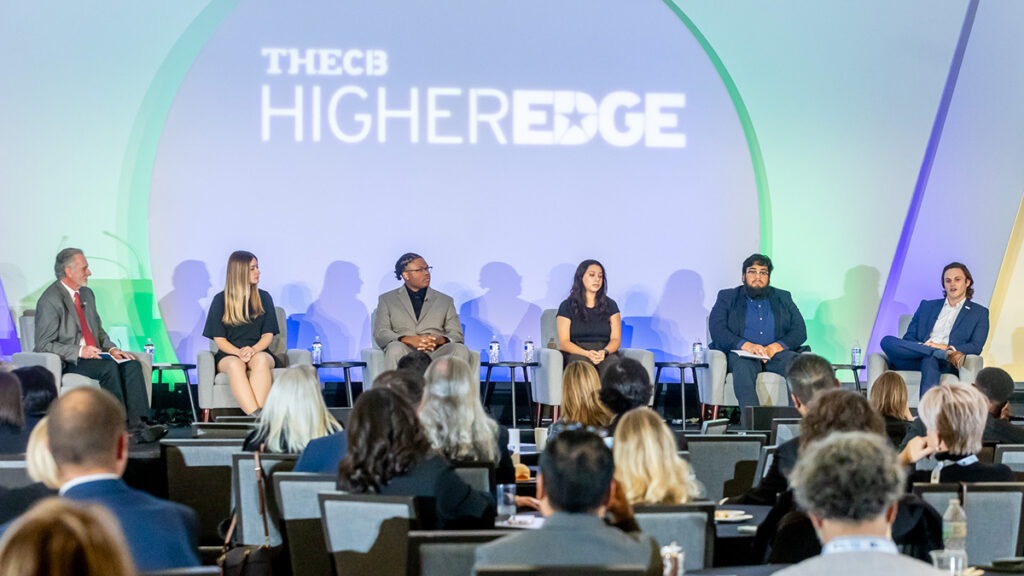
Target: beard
{"points": [[756, 293]]}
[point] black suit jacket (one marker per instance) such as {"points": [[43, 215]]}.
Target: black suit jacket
{"points": [[455, 503], [776, 480], [729, 316], [14, 503]]}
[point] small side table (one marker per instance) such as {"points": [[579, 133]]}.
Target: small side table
{"points": [[682, 380], [489, 386], [855, 368], [159, 369], [346, 366]]}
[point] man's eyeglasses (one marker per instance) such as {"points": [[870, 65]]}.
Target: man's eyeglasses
{"points": [[418, 270], [753, 272]]}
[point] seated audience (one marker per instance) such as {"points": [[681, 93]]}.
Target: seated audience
{"points": [[646, 463], [889, 398], [41, 468], [416, 361], [408, 383], [38, 390], [389, 454], [580, 403], [576, 489], [849, 484], [59, 537], [13, 435], [455, 422], [90, 446], [624, 385], [954, 417], [997, 386], [293, 415]]}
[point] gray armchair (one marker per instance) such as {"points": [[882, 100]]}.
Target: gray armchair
{"points": [[878, 363], [53, 363], [214, 388], [716, 387]]}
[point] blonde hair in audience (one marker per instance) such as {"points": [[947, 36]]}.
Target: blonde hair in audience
{"points": [[38, 459], [646, 463], [242, 301], [453, 417], [59, 537], [295, 412], [580, 387], [957, 414], [889, 395]]}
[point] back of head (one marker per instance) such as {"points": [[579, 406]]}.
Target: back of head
{"points": [[58, 537], [12, 415], [416, 361], [406, 382], [996, 384], [849, 477], [646, 463], [295, 412], [38, 389], [808, 375], [38, 460], [625, 385], [85, 427], [385, 439], [839, 411], [580, 388], [889, 395], [577, 469], [452, 415], [957, 413]]}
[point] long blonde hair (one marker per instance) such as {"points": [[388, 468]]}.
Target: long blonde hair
{"points": [[646, 463], [580, 388], [888, 395], [38, 460], [452, 416], [242, 301], [295, 412]]}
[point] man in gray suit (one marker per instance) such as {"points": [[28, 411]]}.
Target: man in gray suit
{"points": [[849, 484], [414, 316], [576, 489], [68, 325]]}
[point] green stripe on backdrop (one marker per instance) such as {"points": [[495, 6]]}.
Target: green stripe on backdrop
{"points": [[760, 174]]}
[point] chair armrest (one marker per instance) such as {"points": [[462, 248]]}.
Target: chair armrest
{"points": [[877, 364], [146, 360], [374, 365], [47, 360], [299, 357], [712, 378], [547, 377], [205, 373], [972, 365]]}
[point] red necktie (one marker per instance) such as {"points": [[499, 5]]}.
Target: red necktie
{"points": [[86, 333]]}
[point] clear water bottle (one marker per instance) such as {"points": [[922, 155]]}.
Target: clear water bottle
{"points": [[528, 350], [494, 350], [149, 348], [954, 526], [698, 351], [318, 350], [856, 356]]}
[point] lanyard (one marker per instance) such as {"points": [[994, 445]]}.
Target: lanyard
{"points": [[860, 544], [966, 461]]}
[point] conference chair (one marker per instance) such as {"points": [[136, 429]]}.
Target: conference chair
{"points": [[296, 494], [237, 430], [716, 388], [13, 472], [995, 520], [374, 358], [53, 362], [1012, 455], [784, 430], [447, 552], [367, 533], [725, 463], [690, 526], [191, 571], [244, 487], [764, 463], [214, 388], [235, 419], [547, 376], [720, 426], [479, 475], [341, 415], [879, 363], [199, 476], [529, 570]]}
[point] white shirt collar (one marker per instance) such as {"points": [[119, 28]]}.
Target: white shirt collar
{"points": [[860, 544], [68, 288], [86, 479], [957, 306]]}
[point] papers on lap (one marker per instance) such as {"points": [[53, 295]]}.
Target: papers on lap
{"points": [[745, 354]]}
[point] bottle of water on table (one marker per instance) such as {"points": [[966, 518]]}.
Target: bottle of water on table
{"points": [[149, 348], [318, 351], [856, 356], [494, 350], [698, 351], [528, 350]]}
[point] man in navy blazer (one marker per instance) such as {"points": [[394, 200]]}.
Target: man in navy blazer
{"points": [[90, 446], [760, 319], [943, 332]]}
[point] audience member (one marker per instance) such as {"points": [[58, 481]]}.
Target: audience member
{"points": [[954, 417], [580, 403], [90, 446], [588, 322], [647, 466], [624, 385], [59, 537], [408, 383], [849, 484], [13, 435], [889, 398], [389, 454], [576, 489], [455, 422], [294, 414], [997, 386], [41, 468], [38, 390], [416, 361]]}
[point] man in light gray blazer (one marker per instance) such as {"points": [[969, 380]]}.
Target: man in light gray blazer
{"points": [[576, 490], [60, 313], [416, 317], [849, 484]]}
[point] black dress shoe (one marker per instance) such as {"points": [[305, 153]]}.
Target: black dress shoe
{"points": [[149, 434]]}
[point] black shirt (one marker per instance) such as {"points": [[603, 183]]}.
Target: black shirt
{"points": [[242, 335], [417, 299], [596, 328]]}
